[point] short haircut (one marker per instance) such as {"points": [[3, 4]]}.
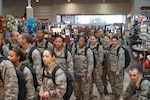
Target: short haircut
{"points": [[40, 30], [135, 68]]}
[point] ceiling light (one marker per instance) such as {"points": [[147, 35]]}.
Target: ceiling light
{"points": [[37, 1], [69, 1]]}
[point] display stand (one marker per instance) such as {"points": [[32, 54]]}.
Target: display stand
{"points": [[145, 46], [141, 44]]}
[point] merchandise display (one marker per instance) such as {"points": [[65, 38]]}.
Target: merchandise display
{"points": [[141, 51]]}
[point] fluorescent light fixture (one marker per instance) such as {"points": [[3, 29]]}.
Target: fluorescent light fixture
{"points": [[37, 1], [69, 1]]}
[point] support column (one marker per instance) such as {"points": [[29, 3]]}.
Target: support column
{"points": [[1, 6], [29, 10]]}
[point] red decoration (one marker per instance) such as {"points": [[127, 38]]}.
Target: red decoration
{"points": [[147, 64], [21, 16]]}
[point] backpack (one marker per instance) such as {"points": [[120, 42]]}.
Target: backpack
{"points": [[85, 53], [70, 87], [94, 57], [65, 53], [144, 78], [46, 44], [1, 59], [33, 72], [21, 84], [127, 56], [1, 49]]}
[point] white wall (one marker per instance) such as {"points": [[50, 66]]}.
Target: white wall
{"points": [[137, 4]]}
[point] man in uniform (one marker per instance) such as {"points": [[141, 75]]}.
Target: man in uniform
{"points": [[42, 43], [24, 40], [138, 88], [121, 38]]}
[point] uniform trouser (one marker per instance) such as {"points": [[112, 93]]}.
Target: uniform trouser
{"points": [[96, 78], [116, 83], [81, 88], [134, 97], [104, 79]]}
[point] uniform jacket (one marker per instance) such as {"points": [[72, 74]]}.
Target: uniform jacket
{"points": [[133, 89], [106, 49], [9, 87], [36, 57], [83, 64], [116, 62], [99, 55], [46, 84], [122, 40], [41, 46], [65, 64]]}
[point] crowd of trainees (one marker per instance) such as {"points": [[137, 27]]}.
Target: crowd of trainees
{"points": [[79, 62]]}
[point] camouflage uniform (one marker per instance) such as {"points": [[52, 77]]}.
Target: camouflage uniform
{"points": [[106, 49], [116, 64], [100, 40], [83, 67], [41, 46], [36, 57], [96, 77], [11, 45], [65, 64], [29, 82], [9, 87], [122, 40], [46, 84], [134, 93], [5, 50], [74, 47]]}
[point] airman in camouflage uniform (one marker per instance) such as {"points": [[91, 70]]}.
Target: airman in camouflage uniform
{"points": [[97, 72], [100, 36], [14, 40], [13, 56], [48, 90], [9, 87], [116, 65], [106, 47], [63, 57], [138, 89], [24, 41], [42, 43], [83, 68], [121, 38]]}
